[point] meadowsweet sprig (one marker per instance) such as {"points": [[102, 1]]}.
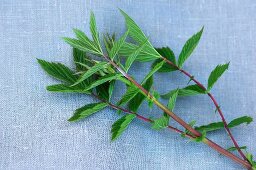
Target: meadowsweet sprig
{"points": [[97, 77]]}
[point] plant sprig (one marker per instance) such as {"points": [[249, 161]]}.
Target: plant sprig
{"points": [[97, 77]]}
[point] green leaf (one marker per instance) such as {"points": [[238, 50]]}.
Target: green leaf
{"points": [[65, 89], [105, 90], [117, 46], [58, 71], [239, 121], [169, 55], [152, 71], [219, 125], [95, 34], [87, 110], [231, 149], [188, 48], [97, 67], [155, 95], [132, 57], [249, 157], [172, 100], [136, 33], [131, 92], [86, 42], [160, 123], [216, 74], [120, 125], [200, 138], [137, 100], [79, 57], [103, 80], [190, 90]]}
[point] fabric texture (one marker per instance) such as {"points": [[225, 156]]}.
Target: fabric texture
{"points": [[34, 131]]}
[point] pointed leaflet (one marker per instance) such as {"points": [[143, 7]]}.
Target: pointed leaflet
{"points": [[136, 101], [163, 121], [97, 67], [102, 80], [79, 57], [220, 125], [167, 53], [117, 45], [136, 33], [58, 71], [109, 42], [215, 74], [87, 110], [95, 34], [130, 59], [131, 92], [153, 70], [89, 44], [188, 48], [65, 89], [190, 90], [120, 125]]}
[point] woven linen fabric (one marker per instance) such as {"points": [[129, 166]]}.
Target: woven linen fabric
{"points": [[34, 131]]}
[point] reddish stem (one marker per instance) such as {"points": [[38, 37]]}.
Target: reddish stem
{"points": [[215, 103]]}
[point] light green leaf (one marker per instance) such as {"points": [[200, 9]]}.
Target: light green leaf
{"points": [[238, 121], [169, 55], [95, 34], [97, 67], [135, 102], [172, 100], [136, 33], [101, 80], [58, 71], [65, 89], [190, 90], [200, 138], [120, 125], [188, 48], [216, 74], [161, 122], [87, 110], [132, 57], [153, 70], [117, 46]]}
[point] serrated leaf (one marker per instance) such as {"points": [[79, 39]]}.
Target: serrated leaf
{"points": [[65, 89], [231, 149], [190, 90], [137, 100], [120, 125], [172, 100], [102, 80], [153, 70], [117, 46], [216, 74], [131, 92], [169, 55], [58, 71], [95, 34], [97, 67], [160, 123], [132, 57], [136, 33], [87, 110], [188, 48], [240, 120], [79, 57]]}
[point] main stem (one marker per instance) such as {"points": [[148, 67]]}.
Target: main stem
{"points": [[179, 120], [215, 103]]}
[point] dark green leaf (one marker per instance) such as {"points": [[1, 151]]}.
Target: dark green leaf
{"points": [[79, 57], [87, 110], [188, 48], [211, 127], [152, 71], [117, 46], [95, 34], [190, 90], [131, 92], [169, 55], [240, 120], [97, 67], [58, 71], [65, 89], [105, 90], [120, 125], [216, 74]]}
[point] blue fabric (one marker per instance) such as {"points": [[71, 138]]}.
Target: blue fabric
{"points": [[34, 133]]}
